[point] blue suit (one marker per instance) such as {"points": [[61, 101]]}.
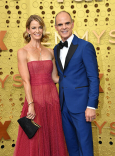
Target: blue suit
{"points": [[78, 88]]}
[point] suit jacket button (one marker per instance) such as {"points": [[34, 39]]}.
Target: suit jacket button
{"points": [[64, 75], [62, 87]]}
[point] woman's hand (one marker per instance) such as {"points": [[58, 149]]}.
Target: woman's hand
{"points": [[31, 111]]}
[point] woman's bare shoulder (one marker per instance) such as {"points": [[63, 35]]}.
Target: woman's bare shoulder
{"points": [[22, 53], [47, 49], [51, 51], [23, 49]]}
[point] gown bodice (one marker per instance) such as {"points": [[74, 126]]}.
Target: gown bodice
{"points": [[40, 72]]}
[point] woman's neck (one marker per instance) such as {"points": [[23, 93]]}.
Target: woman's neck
{"points": [[35, 43]]}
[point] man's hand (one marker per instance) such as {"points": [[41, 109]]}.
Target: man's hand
{"points": [[90, 114]]}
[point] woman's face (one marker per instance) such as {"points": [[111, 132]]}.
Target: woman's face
{"points": [[36, 30]]}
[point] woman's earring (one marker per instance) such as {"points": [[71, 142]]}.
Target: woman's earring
{"points": [[29, 35]]}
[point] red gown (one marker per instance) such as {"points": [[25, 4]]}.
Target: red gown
{"points": [[49, 139]]}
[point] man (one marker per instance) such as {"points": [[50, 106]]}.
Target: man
{"points": [[78, 86]]}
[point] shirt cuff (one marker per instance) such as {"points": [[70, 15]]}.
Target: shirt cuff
{"points": [[90, 107]]}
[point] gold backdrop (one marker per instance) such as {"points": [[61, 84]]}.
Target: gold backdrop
{"points": [[94, 21]]}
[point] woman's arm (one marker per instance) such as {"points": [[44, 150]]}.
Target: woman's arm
{"points": [[23, 70], [55, 76]]}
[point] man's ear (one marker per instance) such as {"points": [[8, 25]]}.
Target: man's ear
{"points": [[55, 27], [72, 24]]}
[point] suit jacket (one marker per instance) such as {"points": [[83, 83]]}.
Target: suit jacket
{"points": [[79, 81]]}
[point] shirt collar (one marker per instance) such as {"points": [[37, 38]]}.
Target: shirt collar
{"points": [[69, 40]]}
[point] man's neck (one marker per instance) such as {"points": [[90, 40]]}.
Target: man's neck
{"points": [[65, 39]]}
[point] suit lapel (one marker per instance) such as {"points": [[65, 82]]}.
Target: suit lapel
{"points": [[71, 51], [58, 58]]}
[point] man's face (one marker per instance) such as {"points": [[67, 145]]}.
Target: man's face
{"points": [[64, 25]]}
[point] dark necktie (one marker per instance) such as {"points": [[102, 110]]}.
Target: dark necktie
{"points": [[61, 45]]}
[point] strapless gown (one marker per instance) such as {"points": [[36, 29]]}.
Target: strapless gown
{"points": [[49, 139]]}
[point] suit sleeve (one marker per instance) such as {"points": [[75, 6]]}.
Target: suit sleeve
{"points": [[90, 62]]}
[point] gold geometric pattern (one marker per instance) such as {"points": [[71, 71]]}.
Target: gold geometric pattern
{"points": [[94, 20]]}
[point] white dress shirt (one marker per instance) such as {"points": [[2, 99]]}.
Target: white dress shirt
{"points": [[63, 54], [64, 50]]}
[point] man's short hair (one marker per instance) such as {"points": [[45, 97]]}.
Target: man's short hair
{"points": [[65, 12]]}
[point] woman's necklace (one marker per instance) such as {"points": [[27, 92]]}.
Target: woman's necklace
{"points": [[36, 49], [40, 53]]}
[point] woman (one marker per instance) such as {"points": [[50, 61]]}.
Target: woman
{"points": [[37, 68]]}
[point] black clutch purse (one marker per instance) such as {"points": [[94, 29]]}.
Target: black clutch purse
{"points": [[29, 126]]}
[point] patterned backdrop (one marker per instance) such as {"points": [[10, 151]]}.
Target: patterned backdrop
{"points": [[94, 21]]}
